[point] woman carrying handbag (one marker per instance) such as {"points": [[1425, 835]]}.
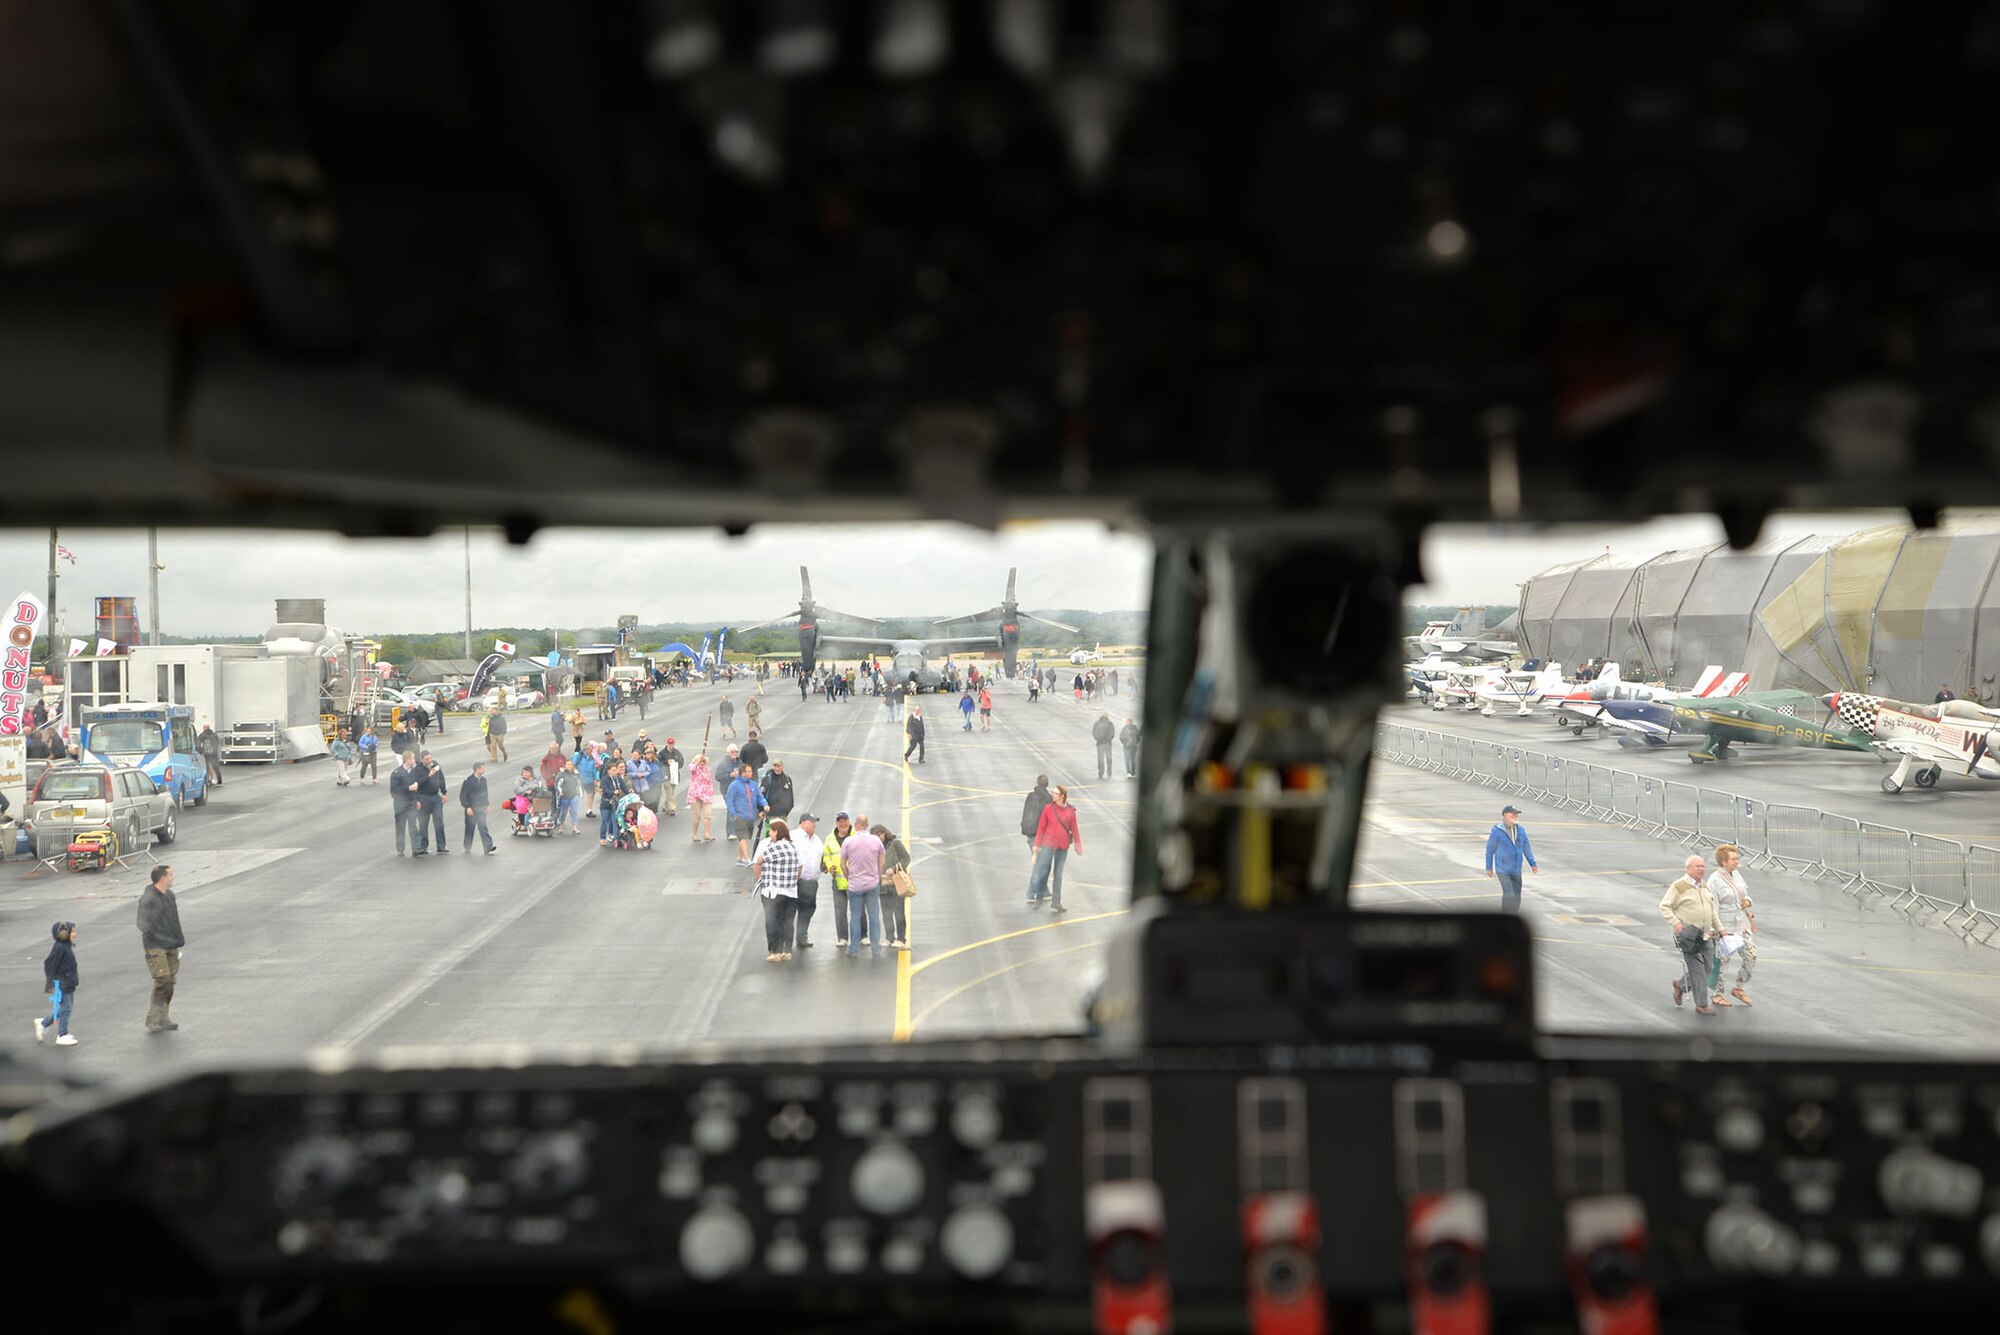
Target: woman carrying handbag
{"points": [[896, 867]]}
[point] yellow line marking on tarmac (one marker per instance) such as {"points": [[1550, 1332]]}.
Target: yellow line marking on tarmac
{"points": [[985, 978], [901, 1033], [1008, 936]]}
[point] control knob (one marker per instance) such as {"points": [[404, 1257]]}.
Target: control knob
{"points": [[976, 1122], [550, 1166], [716, 1242], [888, 1179], [977, 1240], [314, 1171], [1917, 1181], [1744, 1240]]}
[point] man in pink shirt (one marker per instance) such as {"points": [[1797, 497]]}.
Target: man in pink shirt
{"points": [[861, 860]]}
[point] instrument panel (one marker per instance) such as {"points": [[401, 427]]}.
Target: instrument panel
{"points": [[1054, 1184]]}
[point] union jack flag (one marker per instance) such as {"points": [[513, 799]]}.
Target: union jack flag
{"points": [[66, 554]]}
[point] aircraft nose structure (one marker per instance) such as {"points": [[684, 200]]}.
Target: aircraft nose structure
{"points": [[1831, 699]]}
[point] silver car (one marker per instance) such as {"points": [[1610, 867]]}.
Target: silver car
{"points": [[69, 799]]}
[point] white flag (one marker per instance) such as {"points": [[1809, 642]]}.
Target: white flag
{"points": [[106, 647], [76, 648], [502, 647]]}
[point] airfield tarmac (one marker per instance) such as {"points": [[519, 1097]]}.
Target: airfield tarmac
{"points": [[306, 932]]}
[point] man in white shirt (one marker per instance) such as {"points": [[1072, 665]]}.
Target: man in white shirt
{"points": [[1732, 906], [806, 836]]}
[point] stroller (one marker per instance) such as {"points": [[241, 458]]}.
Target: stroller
{"points": [[534, 813], [636, 824]]}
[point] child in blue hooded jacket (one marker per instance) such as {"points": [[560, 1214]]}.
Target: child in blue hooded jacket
{"points": [[59, 981]]}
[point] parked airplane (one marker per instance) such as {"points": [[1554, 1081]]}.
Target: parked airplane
{"points": [[1717, 721], [1009, 615], [1461, 637], [1519, 688], [1585, 707], [910, 658], [1954, 733]]}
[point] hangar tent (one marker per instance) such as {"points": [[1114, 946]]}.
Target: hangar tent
{"points": [[1891, 611]]}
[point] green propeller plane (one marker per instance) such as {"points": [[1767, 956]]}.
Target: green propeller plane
{"points": [[1782, 718]]}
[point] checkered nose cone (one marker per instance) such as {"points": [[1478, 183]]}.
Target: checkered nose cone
{"points": [[1857, 711]]}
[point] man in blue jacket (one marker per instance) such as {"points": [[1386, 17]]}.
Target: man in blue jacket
{"points": [[1507, 847], [745, 801]]}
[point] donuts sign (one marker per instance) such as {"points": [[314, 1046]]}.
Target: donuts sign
{"points": [[22, 619]]}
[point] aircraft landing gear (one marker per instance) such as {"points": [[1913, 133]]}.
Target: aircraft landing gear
{"points": [[1576, 730], [1893, 783], [1927, 778]]}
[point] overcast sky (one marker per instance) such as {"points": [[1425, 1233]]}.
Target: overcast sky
{"points": [[226, 583]]}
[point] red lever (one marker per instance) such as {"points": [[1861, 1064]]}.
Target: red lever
{"points": [[1444, 1264]]}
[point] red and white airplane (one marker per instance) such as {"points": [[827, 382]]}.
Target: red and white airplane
{"points": [[1925, 738], [1584, 707]]}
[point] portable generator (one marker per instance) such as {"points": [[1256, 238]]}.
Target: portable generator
{"points": [[92, 850]]}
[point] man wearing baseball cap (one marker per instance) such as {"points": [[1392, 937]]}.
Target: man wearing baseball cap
{"points": [[1507, 847], [672, 766]]}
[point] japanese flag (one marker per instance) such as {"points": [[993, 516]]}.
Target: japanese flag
{"points": [[502, 647]]}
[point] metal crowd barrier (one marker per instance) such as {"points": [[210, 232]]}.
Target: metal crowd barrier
{"points": [[1923, 876]]}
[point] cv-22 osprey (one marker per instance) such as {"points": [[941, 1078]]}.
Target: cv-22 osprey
{"points": [[1925, 738]]}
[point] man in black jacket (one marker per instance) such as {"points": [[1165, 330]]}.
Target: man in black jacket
{"points": [[913, 728], [778, 790], [431, 789], [403, 782], [473, 797], [1102, 732], [209, 747], [754, 755], [1031, 810], [160, 936]]}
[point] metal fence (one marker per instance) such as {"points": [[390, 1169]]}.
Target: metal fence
{"points": [[1926, 877]]}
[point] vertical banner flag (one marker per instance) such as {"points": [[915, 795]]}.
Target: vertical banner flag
{"points": [[502, 647], [487, 666], [22, 620]]}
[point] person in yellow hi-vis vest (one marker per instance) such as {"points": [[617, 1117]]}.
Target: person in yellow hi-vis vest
{"points": [[829, 862]]}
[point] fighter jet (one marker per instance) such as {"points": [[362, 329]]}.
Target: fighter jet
{"points": [[1715, 722], [1464, 636], [1954, 733]]}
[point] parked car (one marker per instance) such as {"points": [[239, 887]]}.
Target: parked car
{"points": [[69, 799], [392, 698], [444, 694], [510, 697]]}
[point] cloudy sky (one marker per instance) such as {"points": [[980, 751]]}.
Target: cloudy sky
{"points": [[226, 583]]}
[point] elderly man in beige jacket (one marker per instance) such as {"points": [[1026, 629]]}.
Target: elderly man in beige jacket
{"points": [[1689, 908]]}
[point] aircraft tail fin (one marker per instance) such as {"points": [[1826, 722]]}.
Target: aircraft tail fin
{"points": [[1608, 674], [1732, 684], [1707, 682], [1550, 682]]}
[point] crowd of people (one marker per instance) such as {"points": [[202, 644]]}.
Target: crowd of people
{"points": [[788, 861]]}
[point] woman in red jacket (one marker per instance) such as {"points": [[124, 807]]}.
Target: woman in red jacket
{"points": [[1056, 837]]}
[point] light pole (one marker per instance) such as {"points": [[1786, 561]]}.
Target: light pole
{"points": [[153, 569], [468, 590]]}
